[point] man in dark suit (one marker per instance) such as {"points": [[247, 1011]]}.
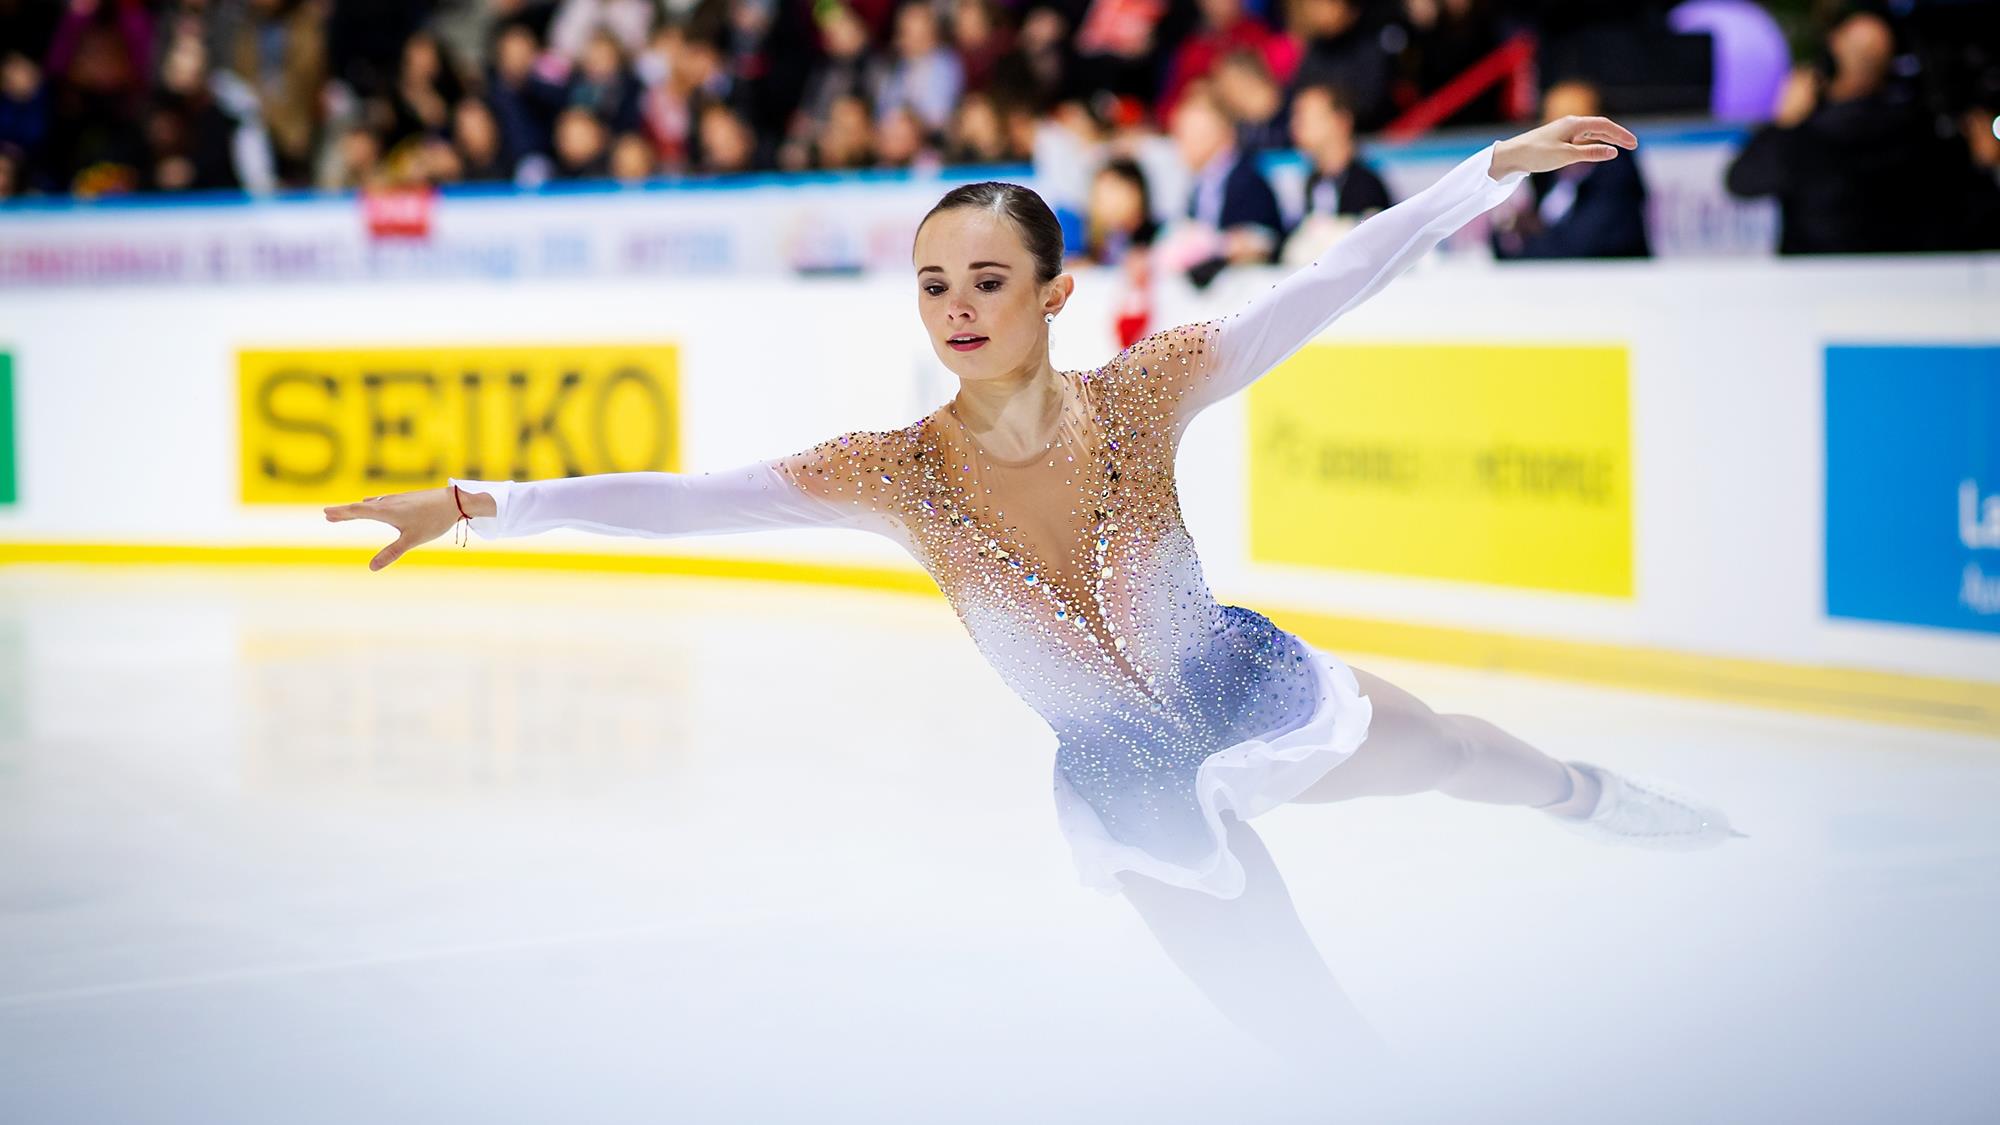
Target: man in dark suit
{"points": [[1590, 210], [1340, 183], [1230, 195], [1341, 189]]}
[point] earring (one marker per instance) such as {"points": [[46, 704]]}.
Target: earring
{"points": [[1050, 317]]}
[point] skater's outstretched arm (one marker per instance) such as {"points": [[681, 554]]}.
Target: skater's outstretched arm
{"points": [[1244, 345], [814, 488]]}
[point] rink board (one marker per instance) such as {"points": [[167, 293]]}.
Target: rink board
{"points": [[133, 444]]}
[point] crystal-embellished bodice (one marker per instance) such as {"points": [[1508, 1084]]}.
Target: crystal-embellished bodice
{"points": [[1076, 578]]}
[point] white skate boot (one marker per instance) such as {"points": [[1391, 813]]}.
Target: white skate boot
{"points": [[1648, 814]]}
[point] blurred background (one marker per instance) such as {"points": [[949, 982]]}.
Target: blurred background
{"points": [[1686, 463]]}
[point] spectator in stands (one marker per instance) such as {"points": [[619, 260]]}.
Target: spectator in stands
{"points": [[902, 141], [688, 80], [1979, 127], [1341, 49], [1077, 137], [1341, 189], [632, 159], [848, 140], [728, 144], [280, 48], [524, 100], [358, 161], [466, 28], [1595, 209], [977, 135], [1254, 98], [13, 171], [24, 115], [192, 139], [981, 41], [1023, 128], [924, 73], [1039, 65], [1225, 27], [426, 90], [1234, 211], [96, 70], [1852, 158], [759, 45], [847, 69], [602, 84], [432, 160], [878, 17], [582, 151], [1445, 38], [1115, 49], [1120, 214], [629, 22], [482, 157]]}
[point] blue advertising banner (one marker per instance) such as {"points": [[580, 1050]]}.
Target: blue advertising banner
{"points": [[1913, 485]]}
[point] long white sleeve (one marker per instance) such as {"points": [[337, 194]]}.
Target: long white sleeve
{"points": [[654, 505], [1276, 323]]}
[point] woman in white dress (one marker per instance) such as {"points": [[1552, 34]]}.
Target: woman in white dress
{"points": [[1043, 503]]}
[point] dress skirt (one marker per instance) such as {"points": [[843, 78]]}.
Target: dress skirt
{"points": [[1248, 778]]}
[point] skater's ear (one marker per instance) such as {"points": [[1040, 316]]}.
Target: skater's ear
{"points": [[1057, 293]]}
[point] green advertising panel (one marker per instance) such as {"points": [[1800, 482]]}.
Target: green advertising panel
{"points": [[6, 428]]}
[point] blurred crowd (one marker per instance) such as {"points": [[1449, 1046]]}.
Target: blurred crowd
{"points": [[101, 97]]}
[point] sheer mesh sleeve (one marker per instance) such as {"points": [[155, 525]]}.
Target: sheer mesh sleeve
{"points": [[812, 488], [1241, 346]]}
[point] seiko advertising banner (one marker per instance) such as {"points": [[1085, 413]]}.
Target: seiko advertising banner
{"points": [[361, 421]]}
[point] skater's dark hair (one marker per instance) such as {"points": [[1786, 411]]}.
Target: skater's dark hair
{"points": [[1039, 230]]}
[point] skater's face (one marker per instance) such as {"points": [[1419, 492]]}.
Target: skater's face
{"points": [[976, 277]]}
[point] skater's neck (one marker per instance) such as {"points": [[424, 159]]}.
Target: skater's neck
{"points": [[1014, 412]]}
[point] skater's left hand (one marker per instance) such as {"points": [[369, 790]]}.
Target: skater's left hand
{"points": [[1560, 143]]}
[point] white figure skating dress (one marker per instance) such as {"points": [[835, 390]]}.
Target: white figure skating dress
{"points": [[1072, 571]]}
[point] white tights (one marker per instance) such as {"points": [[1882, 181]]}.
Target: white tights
{"points": [[1251, 955], [1413, 749]]}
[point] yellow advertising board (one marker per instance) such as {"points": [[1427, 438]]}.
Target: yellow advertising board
{"points": [[1501, 464], [331, 423]]}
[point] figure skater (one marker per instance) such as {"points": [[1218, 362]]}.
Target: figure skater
{"points": [[1043, 503]]}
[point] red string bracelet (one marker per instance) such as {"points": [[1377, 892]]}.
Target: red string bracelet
{"points": [[464, 519]]}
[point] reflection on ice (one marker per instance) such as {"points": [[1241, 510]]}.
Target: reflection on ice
{"points": [[320, 846]]}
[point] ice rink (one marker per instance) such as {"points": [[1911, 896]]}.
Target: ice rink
{"points": [[325, 845]]}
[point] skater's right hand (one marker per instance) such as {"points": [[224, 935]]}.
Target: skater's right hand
{"points": [[418, 516]]}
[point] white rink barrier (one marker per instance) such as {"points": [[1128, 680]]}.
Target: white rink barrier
{"points": [[751, 225], [1780, 461]]}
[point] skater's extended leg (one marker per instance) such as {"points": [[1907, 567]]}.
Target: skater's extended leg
{"points": [[1413, 749]]}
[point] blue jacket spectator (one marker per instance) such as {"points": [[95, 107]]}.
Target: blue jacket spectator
{"points": [[523, 93], [1230, 196], [1600, 212], [1238, 195], [1595, 210]]}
